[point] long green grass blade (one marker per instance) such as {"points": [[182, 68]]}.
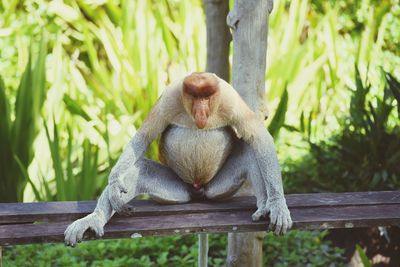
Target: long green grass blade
{"points": [[26, 177], [278, 120], [57, 162], [364, 259]]}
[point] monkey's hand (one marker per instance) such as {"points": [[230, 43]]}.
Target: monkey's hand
{"points": [[74, 232], [115, 194], [279, 214]]}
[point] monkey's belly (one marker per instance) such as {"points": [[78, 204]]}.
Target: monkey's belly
{"points": [[195, 155]]}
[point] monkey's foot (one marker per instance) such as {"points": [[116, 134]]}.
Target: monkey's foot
{"points": [[74, 232], [280, 220]]}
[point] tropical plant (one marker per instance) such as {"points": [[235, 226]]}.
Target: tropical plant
{"points": [[79, 179], [111, 60], [364, 154], [297, 248], [19, 129]]}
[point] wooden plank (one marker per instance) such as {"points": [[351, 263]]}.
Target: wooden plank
{"points": [[227, 221], [70, 210]]}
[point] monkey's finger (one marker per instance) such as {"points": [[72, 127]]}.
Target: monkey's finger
{"points": [[278, 227], [72, 237], [68, 234], [273, 218], [285, 226], [98, 230], [79, 234], [290, 222], [256, 215]]}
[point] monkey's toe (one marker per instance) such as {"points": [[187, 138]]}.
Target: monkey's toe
{"points": [[259, 214]]}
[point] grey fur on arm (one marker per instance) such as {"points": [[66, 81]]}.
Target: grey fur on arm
{"points": [[125, 167], [267, 160], [252, 130]]}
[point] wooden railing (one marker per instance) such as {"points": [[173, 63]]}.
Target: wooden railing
{"points": [[42, 222]]}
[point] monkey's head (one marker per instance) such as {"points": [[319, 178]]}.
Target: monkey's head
{"points": [[200, 95]]}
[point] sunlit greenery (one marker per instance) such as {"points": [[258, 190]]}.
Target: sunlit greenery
{"points": [[79, 76], [298, 248], [108, 61]]}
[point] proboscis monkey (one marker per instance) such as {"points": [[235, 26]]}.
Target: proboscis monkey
{"points": [[211, 141]]}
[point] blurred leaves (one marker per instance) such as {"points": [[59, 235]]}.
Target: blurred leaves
{"points": [[18, 135], [297, 248], [109, 61], [364, 154], [69, 184]]}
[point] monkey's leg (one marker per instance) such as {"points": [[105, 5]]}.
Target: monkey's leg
{"points": [[147, 176], [160, 182], [239, 166]]}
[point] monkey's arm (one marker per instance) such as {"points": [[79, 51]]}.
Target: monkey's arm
{"points": [[125, 170], [253, 132]]}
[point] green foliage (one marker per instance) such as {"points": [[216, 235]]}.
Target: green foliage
{"points": [[298, 248], [313, 47], [89, 179], [301, 248], [364, 258], [18, 133], [364, 155], [108, 63], [278, 120], [109, 60]]}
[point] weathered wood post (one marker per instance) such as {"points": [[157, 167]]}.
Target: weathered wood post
{"points": [[249, 23], [218, 39]]}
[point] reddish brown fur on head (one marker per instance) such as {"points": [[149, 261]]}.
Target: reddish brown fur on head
{"points": [[200, 84], [199, 91]]}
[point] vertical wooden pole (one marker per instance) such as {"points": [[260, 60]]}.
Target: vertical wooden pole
{"points": [[218, 39], [203, 250], [249, 23]]}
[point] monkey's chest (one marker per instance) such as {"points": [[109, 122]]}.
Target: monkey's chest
{"points": [[195, 155]]}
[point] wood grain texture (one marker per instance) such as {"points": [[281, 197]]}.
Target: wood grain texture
{"points": [[248, 20], [218, 37], [309, 211], [235, 221], [71, 210]]}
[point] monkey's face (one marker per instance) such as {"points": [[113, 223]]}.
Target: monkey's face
{"points": [[200, 91]]}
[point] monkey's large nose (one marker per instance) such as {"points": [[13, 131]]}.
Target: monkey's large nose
{"points": [[200, 118], [201, 123], [200, 110]]}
